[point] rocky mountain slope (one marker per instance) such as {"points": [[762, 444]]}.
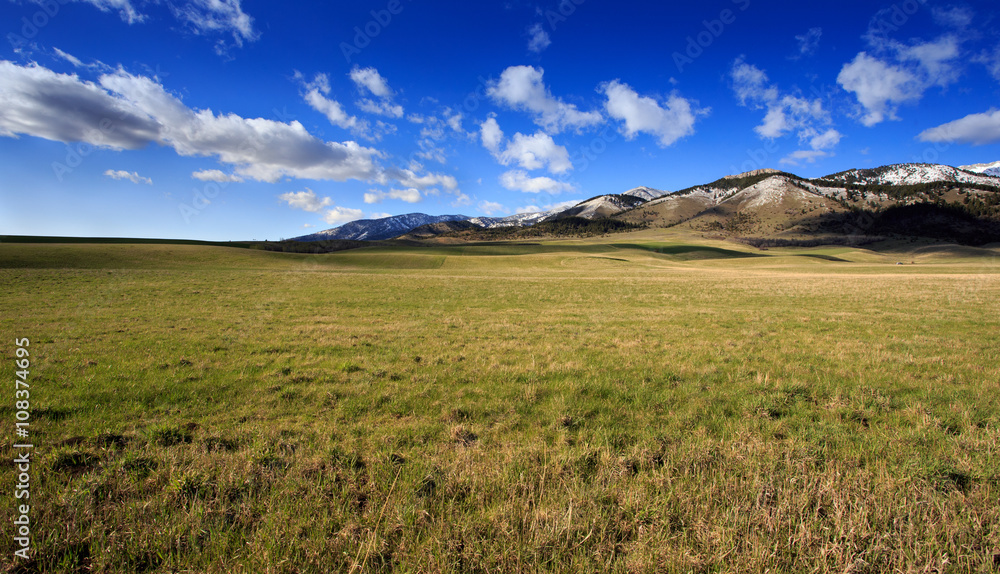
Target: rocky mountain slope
{"points": [[922, 199]]}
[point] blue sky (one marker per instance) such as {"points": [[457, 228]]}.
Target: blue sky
{"points": [[235, 119]]}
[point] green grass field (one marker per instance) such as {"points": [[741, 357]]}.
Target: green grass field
{"points": [[638, 403]]}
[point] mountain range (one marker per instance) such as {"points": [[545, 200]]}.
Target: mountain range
{"points": [[961, 204]]}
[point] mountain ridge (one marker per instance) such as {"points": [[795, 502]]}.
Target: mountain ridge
{"points": [[764, 201]]}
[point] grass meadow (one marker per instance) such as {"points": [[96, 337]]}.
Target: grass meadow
{"points": [[634, 403]]}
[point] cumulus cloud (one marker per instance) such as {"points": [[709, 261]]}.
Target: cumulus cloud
{"points": [[39, 102], [522, 88], [491, 207], [519, 180], [216, 176], [341, 215], [976, 129], [129, 112], [369, 79], [305, 200], [669, 121], [891, 73], [410, 195], [409, 178], [826, 140], [536, 152], [491, 135], [880, 87], [134, 177], [808, 42], [539, 39]]}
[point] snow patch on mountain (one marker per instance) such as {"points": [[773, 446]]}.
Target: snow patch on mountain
{"points": [[984, 168], [910, 174], [645, 193]]}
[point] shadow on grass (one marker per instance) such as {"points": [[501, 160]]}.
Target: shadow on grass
{"points": [[687, 252]]}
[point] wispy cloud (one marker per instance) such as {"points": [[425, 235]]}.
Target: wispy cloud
{"points": [[134, 177], [539, 39], [216, 176], [788, 113], [410, 195], [808, 43]]}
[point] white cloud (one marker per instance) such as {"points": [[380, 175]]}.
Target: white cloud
{"points": [[39, 102], [535, 152], [124, 8], [380, 108], [316, 96], [957, 17], [211, 16], [528, 151], [491, 207], [410, 195], [826, 140], [669, 121], [788, 113], [341, 215], [990, 59], [892, 73], [519, 180], [305, 200], [409, 178], [216, 176], [454, 120], [369, 79], [551, 207], [937, 59], [69, 58], [521, 88], [879, 87], [134, 177], [491, 135], [539, 38], [808, 42], [976, 129], [808, 156], [751, 85]]}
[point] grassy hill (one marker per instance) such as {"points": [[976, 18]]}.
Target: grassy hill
{"points": [[650, 401]]}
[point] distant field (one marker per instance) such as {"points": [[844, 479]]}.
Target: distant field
{"points": [[635, 403]]}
